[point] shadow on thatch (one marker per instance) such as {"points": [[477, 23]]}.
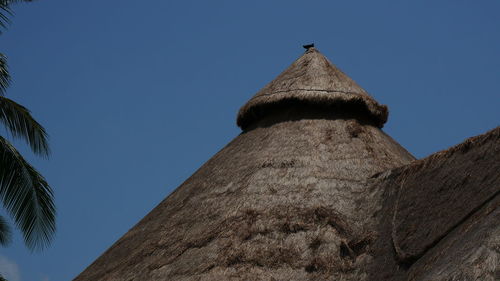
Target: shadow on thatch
{"points": [[440, 215], [266, 115]]}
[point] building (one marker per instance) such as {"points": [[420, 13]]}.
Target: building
{"points": [[313, 189]]}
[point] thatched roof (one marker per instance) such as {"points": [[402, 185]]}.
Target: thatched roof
{"points": [[316, 191], [312, 79], [440, 215], [285, 200]]}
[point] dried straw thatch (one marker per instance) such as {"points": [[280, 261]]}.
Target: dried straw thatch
{"points": [[312, 189], [439, 216], [315, 80], [285, 200]]}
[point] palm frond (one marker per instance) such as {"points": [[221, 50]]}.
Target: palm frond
{"points": [[21, 124], [6, 12], [8, 2], [5, 233], [4, 74], [27, 197]]}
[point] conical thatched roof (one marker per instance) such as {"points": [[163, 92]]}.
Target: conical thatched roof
{"points": [[309, 191], [313, 79], [285, 200]]}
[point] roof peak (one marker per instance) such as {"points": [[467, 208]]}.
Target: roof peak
{"points": [[311, 79]]}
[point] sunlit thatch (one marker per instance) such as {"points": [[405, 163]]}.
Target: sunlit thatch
{"points": [[304, 193]]}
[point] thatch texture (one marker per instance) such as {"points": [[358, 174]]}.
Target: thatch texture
{"points": [[439, 215], [315, 80], [314, 190], [286, 200]]}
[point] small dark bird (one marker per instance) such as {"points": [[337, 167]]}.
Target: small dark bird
{"points": [[309, 46]]}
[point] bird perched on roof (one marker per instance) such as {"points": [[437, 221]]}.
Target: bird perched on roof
{"points": [[308, 46]]}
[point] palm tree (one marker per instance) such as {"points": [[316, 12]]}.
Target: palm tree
{"points": [[24, 193]]}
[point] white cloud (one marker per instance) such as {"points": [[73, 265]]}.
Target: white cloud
{"points": [[9, 269]]}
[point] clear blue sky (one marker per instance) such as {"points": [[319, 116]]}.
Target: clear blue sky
{"points": [[136, 95]]}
